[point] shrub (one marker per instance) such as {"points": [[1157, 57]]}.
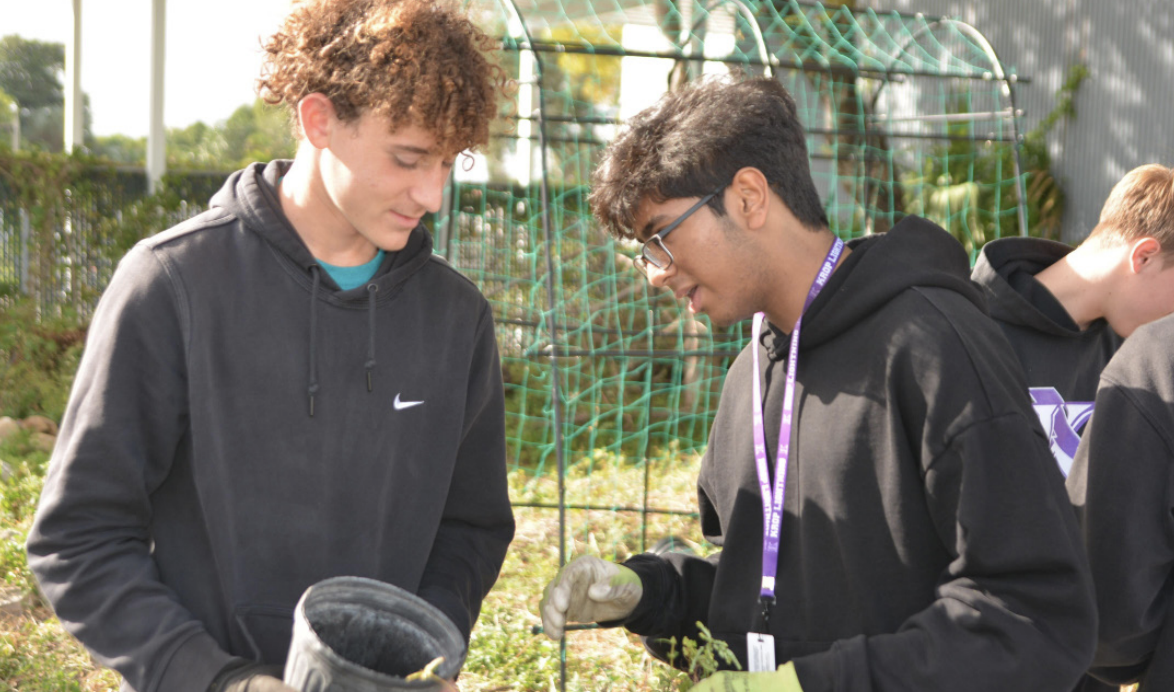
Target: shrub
{"points": [[38, 359]]}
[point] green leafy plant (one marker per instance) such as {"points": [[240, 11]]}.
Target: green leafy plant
{"points": [[949, 189], [82, 216], [38, 359], [694, 662]]}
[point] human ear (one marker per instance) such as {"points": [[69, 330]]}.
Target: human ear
{"points": [[751, 198], [316, 117], [1146, 252]]}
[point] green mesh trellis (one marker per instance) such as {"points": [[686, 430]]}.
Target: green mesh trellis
{"points": [[905, 114]]}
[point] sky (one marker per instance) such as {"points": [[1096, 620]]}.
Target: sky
{"points": [[213, 55]]}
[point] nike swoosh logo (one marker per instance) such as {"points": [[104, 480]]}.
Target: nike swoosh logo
{"points": [[401, 405]]}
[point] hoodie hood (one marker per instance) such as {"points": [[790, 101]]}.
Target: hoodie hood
{"points": [[251, 195], [1006, 270], [916, 253], [1062, 362]]}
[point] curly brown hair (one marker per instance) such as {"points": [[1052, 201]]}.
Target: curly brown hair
{"points": [[415, 62]]}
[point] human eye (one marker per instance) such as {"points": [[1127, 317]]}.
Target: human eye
{"points": [[408, 164]]}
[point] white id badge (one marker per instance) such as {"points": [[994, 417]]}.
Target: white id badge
{"points": [[760, 649]]}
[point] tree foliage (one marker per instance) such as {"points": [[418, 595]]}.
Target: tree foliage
{"points": [[254, 132], [122, 149], [258, 132], [105, 209], [9, 112], [31, 73]]}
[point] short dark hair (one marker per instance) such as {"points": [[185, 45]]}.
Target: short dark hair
{"points": [[693, 141]]}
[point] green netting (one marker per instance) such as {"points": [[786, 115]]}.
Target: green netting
{"points": [[905, 114], [611, 387]]}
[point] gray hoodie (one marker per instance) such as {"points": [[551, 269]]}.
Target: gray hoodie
{"points": [[240, 428]]}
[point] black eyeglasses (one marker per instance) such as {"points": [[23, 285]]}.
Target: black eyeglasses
{"points": [[653, 250]]}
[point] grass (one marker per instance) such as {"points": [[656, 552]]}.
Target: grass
{"points": [[37, 655], [505, 653]]}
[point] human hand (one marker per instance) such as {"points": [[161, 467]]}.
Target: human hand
{"points": [[588, 590], [782, 680], [252, 677]]}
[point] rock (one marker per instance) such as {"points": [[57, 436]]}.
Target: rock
{"points": [[8, 428], [44, 442], [39, 424]]}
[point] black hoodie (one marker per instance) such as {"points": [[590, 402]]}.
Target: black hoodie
{"points": [[926, 543], [192, 496], [1122, 485], [1062, 362]]}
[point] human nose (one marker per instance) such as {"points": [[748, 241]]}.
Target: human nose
{"points": [[657, 276], [429, 192]]}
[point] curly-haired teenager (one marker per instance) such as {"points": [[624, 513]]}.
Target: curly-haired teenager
{"points": [[1066, 311], [889, 515], [290, 386]]}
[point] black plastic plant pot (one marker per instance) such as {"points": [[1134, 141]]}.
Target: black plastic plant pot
{"points": [[361, 635]]}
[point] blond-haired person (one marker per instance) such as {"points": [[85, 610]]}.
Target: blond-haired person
{"points": [[290, 386], [1066, 311]]}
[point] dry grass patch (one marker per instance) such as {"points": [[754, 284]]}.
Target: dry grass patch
{"points": [[37, 655]]}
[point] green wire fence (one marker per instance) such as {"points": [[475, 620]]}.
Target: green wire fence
{"points": [[905, 114]]}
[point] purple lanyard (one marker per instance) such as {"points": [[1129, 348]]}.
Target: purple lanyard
{"points": [[772, 503]]}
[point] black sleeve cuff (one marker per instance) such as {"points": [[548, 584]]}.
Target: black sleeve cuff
{"points": [[656, 577]]}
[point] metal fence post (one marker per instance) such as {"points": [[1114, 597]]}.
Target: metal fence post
{"points": [[24, 252]]}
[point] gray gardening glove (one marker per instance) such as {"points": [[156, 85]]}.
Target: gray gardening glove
{"points": [[243, 676], [589, 590]]}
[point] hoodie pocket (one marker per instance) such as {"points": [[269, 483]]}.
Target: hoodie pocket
{"points": [[268, 630]]}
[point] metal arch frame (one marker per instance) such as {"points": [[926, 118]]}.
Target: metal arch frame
{"points": [[1005, 80], [770, 62], [511, 9], [510, 6]]}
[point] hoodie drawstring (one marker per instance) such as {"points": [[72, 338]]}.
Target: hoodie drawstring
{"points": [[313, 388], [372, 289]]}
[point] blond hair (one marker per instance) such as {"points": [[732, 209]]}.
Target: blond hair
{"points": [[1141, 205]]}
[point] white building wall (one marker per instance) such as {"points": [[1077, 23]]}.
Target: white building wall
{"points": [[1123, 108]]}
